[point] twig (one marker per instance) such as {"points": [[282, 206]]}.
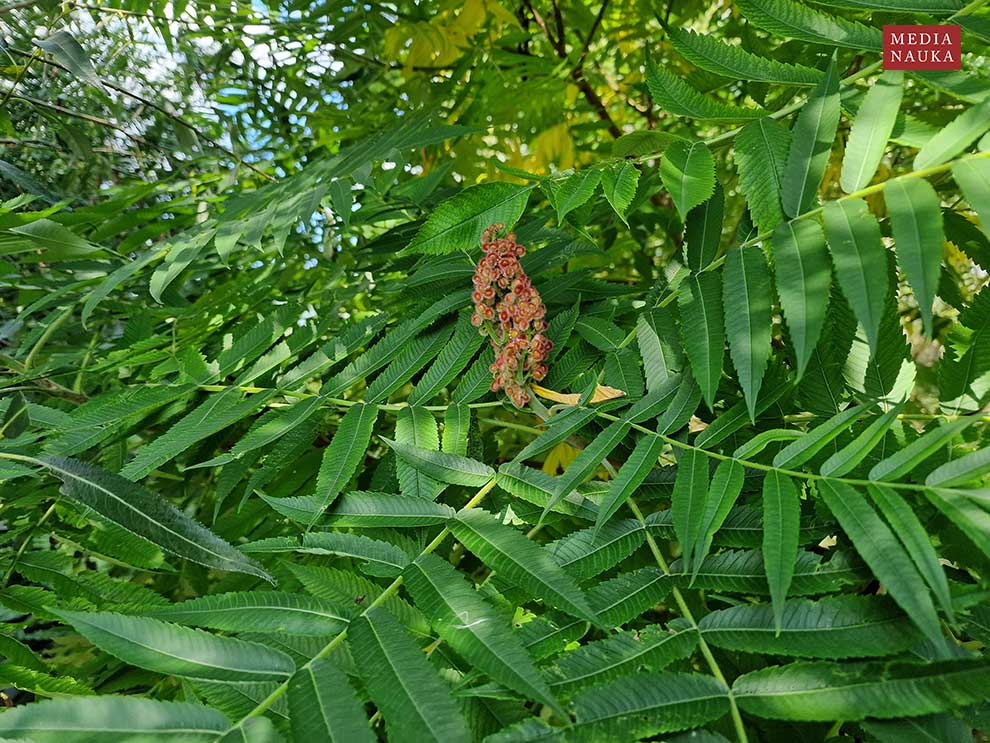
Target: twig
{"points": [[542, 24], [164, 111], [87, 117], [595, 25], [36, 54], [17, 6], [689, 616], [577, 72]]}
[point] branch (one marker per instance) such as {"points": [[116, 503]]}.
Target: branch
{"points": [[543, 27], [559, 21], [17, 6], [577, 73], [595, 25], [162, 110], [86, 117]]}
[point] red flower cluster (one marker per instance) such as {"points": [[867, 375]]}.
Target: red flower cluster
{"points": [[510, 312]]}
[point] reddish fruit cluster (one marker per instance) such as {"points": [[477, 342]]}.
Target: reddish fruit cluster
{"points": [[510, 312]]}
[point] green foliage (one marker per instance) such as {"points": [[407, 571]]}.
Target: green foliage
{"points": [[256, 485]]}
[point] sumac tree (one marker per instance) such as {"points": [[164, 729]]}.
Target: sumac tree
{"points": [[286, 455]]}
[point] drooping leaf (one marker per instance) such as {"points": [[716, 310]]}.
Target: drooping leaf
{"points": [[271, 429], [973, 177], [916, 541], [64, 48], [870, 131], [410, 360], [456, 427], [140, 512], [629, 477], [689, 498], [619, 184], [654, 402], [569, 192], [703, 230], [179, 651], [972, 519], [681, 408], [878, 546], [342, 458], [688, 173], [781, 521], [860, 261], [832, 691], [761, 154], [588, 460], [700, 304], [109, 717], [558, 429], [747, 297], [323, 706], [803, 277], [451, 361], [16, 417], [472, 628], [725, 487], [414, 700], [416, 426], [812, 136], [520, 561], [916, 220]]}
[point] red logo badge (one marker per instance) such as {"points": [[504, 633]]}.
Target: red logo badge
{"points": [[921, 48]]}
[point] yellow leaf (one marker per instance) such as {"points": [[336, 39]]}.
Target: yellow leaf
{"points": [[502, 15], [602, 393], [471, 17], [559, 458], [551, 146]]}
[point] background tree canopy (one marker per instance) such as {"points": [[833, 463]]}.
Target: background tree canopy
{"points": [[256, 485]]}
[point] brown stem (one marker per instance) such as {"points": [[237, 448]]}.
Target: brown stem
{"points": [[543, 26], [577, 73]]}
